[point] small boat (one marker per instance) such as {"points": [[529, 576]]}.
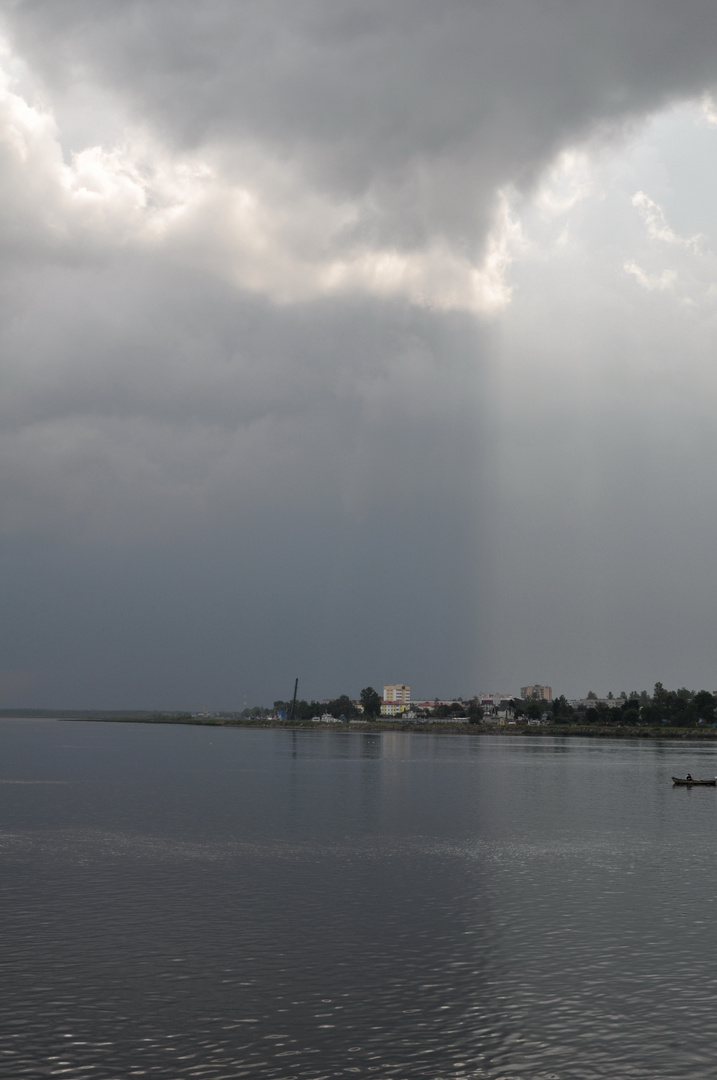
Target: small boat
{"points": [[687, 781]]}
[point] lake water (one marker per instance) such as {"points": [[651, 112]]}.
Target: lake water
{"points": [[218, 903]]}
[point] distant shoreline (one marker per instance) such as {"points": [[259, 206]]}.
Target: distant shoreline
{"points": [[590, 731]]}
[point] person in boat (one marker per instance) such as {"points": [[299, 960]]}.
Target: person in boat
{"points": [[689, 776]]}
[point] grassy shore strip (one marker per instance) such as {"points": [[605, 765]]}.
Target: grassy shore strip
{"points": [[585, 731]]}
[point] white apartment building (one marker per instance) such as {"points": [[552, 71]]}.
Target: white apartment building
{"points": [[396, 699]]}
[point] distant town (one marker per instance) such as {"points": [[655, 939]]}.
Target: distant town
{"points": [[396, 703], [534, 706], [534, 709]]}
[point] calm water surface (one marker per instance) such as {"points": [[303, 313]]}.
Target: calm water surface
{"points": [[215, 903]]}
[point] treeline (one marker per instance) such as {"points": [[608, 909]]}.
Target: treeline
{"points": [[341, 708], [673, 708]]}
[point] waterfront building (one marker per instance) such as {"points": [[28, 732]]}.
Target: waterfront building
{"points": [[396, 699]]}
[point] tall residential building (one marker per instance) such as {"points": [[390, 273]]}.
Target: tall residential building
{"points": [[396, 699], [537, 692]]}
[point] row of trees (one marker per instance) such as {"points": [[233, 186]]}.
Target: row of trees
{"points": [[673, 708], [341, 708]]}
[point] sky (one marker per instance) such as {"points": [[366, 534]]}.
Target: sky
{"points": [[360, 343]]}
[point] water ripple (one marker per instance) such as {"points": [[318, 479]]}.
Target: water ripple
{"points": [[513, 937]]}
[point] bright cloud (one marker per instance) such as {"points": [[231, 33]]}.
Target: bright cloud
{"points": [[659, 282], [270, 233], [567, 182], [657, 227]]}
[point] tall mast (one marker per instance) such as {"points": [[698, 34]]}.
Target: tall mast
{"points": [[293, 704]]}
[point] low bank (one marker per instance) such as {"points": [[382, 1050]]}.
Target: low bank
{"points": [[589, 731]]}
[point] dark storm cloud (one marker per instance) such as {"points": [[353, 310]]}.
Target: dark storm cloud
{"points": [[265, 487]]}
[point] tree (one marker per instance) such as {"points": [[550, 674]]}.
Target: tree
{"points": [[342, 707], [371, 702], [678, 708], [629, 711], [561, 710], [475, 711], [704, 706], [306, 710], [603, 713], [533, 708]]}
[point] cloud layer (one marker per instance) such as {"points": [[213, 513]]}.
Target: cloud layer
{"points": [[358, 344]]}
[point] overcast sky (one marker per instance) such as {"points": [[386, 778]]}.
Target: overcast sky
{"points": [[362, 342]]}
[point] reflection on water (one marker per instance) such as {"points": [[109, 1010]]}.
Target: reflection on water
{"points": [[186, 902]]}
